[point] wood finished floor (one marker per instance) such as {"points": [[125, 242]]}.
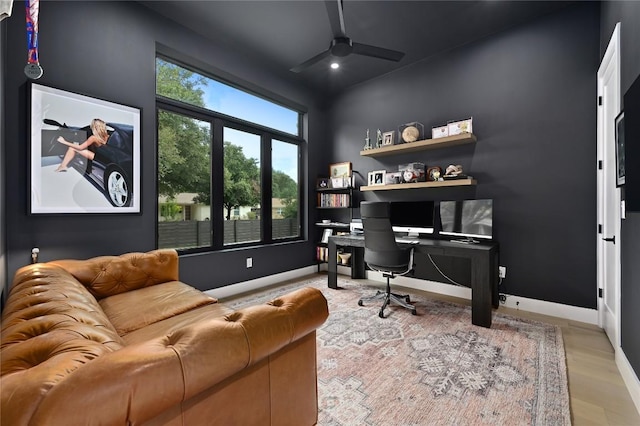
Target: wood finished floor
{"points": [[597, 392], [596, 389]]}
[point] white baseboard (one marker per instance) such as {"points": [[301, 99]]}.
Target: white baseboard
{"points": [[629, 376], [574, 313], [589, 316], [258, 283]]}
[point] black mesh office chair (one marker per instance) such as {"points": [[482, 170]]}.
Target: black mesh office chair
{"points": [[383, 254]]}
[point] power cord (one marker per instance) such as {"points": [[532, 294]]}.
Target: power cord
{"points": [[443, 274]]}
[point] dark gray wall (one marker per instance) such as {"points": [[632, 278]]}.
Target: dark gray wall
{"points": [[113, 58], [3, 258], [628, 13], [531, 91]]}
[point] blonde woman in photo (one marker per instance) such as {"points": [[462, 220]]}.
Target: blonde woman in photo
{"points": [[88, 148]]}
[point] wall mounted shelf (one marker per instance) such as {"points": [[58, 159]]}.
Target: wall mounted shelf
{"points": [[461, 139], [415, 185]]}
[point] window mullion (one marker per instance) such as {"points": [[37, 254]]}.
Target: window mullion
{"points": [[217, 184]]}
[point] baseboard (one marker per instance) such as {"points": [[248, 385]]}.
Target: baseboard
{"points": [[629, 376], [574, 313], [258, 283]]}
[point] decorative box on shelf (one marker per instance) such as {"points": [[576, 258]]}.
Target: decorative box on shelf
{"points": [[410, 132], [461, 126]]}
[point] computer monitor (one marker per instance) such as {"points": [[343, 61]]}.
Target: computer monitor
{"points": [[412, 217], [467, 218]]}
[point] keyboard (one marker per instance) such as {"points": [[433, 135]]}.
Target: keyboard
{"points": [[407, 241]]}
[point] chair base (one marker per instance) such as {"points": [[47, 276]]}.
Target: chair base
{"points": [[388, 297]]}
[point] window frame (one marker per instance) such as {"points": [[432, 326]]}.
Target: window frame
{"points": [[218, 121]]}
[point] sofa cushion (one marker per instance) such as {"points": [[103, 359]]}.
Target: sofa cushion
{"points": [[175, 323], [109, 275], [135, 309]]}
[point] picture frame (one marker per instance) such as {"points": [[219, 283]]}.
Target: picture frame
{"points": [[387, 138], [326, 234], [620, 160], [376, 177], [99, 178], [340, 170], [434, 173], [323, 183]]}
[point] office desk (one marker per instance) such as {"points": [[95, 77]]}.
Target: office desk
{"points": [[484, 268]]}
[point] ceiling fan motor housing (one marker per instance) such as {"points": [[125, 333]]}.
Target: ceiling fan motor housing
{"points": [[341, 46]]}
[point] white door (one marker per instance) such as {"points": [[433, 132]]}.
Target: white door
{"points": [[608, 236]]}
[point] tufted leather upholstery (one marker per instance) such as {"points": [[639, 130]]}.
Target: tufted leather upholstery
{"points": [[119, 340]]}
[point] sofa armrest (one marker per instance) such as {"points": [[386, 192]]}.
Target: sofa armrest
{"points": [[110, 275], [140, 381]]}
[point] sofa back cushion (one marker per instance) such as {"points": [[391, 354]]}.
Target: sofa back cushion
{"points": [[109, 275]]}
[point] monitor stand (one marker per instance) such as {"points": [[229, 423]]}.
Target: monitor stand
{"points": [[412, 235]]}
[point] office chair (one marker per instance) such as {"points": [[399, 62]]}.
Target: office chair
{"points": [[383, 254]]}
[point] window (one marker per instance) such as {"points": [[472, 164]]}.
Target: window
{"points": [[198, 90], [224, 181], [242, 186], [285, 172], [184, 159]]}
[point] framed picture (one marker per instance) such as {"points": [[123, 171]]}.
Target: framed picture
{"points": [[326, 234], [620, 173], [387, 138], [340, 170], [85, 154], [377, 177], [322, 183], [433, 173]]}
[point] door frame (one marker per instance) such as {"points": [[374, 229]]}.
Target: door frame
{"points": [[610, 59]]}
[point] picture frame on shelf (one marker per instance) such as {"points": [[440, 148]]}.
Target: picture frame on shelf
{"points": [[326, 234], [104, 176], [340, 170], [387, 138], [434, 173], [377, 177], [323, 183], [620, 160]]}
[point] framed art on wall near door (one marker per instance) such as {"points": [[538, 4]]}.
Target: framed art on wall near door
{"points": [[85, 154], [620, 172]]}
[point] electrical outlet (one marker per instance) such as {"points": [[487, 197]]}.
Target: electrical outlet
{"points": [[502, 271], [249, 262], [502, 297]]}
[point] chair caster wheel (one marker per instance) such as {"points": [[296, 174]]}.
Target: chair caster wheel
{"points": [[360, 303], [414, 312], [407, 299], [381, 313]]}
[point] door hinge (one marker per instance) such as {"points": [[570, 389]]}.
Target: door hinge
{"points": [[600, 293], [599, 100], [599, 164], [599, 228]]}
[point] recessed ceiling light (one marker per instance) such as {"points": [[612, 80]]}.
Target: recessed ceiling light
{"points": [[335, 65]]}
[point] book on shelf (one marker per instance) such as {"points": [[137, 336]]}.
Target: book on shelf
{"points": [[334, 200]]}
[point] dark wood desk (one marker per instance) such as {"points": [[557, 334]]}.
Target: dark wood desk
{"points": [[484, 268]]}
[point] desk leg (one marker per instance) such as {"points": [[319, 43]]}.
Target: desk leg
{"points": [[358, 269], [332, 265], [481, 291]]}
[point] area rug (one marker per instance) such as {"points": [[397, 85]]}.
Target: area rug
{"points": [[435, 368]]}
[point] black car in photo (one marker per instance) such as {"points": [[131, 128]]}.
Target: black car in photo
{"points": [[111, 169]]}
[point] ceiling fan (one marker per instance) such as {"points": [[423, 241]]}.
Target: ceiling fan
{"points": [[342, 46]]}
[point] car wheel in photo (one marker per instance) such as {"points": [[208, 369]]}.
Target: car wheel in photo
{"points": [[117, 188]]}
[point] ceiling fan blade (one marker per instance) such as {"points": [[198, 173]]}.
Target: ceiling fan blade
{"points": [[336, 17], [311, 61], [377, 52]]}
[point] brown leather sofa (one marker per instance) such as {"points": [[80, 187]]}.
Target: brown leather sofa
{"points": [[119, 340]]}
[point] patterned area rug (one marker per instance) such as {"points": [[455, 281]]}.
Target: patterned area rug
{"points": [[435, 368]]}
